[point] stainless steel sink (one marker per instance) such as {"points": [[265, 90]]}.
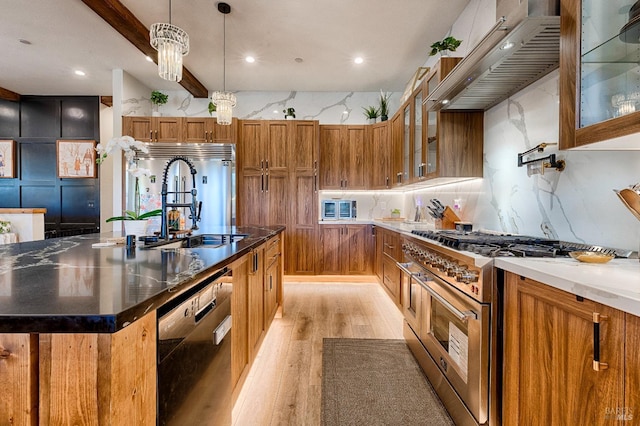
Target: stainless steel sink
{"points": [[199, 241]]}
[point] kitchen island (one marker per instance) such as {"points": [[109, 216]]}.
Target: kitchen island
{"points": [[78, 323]]}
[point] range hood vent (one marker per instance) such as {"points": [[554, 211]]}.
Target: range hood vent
{"points": [[489, 74], [193, 151]]}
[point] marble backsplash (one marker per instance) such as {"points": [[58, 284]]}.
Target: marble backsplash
{"points": [[326, 107]]}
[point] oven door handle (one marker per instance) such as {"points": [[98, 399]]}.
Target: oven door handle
{"points": [[462, 316]]}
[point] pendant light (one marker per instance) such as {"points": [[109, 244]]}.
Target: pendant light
{"points": [[630, 32], [172, 43], [224, 101]]}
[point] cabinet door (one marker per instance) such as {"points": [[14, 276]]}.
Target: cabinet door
{"points": [[239, 319], [330, 157], [353, 158], [198, 129], [224, 133], [302, 225], [271, 278], [379, 251], [276, 190], [251, 198], [255, 300], [357, 249], [379, 154], [138, 128], [304, 156], [397, 135], [632, 367], [332, 252], [251, 146], [407, 137], [418, 157], [391, 278], [549, 375], [167, 129], [277, 146]]}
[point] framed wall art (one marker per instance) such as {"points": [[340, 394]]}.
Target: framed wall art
{"points": [[76, 158], [7, 159]]}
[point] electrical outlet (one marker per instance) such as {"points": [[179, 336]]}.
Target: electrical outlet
{"points": [[204, 179]]}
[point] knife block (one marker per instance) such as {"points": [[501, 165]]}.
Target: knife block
{"points": [[448, 221]]}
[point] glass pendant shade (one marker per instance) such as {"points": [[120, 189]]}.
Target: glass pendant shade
{"points": [[224, 102], [172, 43]]}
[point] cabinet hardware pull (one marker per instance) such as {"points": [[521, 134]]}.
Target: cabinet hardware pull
{"points": [[267, 164], [597, 364], [267, 182], [262, 164], [387, 182], [151, 135], [156, 136], [262, 182], [315, 183]]}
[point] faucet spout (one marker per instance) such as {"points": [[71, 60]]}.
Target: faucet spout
{"points": [[164, 227]]}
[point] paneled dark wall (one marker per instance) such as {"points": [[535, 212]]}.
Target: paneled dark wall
{"points": [[36, 122]]}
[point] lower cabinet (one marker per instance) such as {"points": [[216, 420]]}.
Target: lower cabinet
{"points": [[257, 295], [391, 279], [346, 249], [387, 253], [566, 360], [80, 378]]}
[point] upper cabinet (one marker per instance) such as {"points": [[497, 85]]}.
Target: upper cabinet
{"points": [[379, 155], [153, 129], [599, 72], [207, 129], [342, 157]]}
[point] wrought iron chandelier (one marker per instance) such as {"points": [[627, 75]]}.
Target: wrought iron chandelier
{"points": [[172, 43], [224, 101]]}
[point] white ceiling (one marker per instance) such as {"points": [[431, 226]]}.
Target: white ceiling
{"points": [[393, 37]]}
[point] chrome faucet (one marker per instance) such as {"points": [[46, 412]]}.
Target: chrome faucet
{"points": [[193, 206]]}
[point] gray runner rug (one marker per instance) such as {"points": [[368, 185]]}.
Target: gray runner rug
{"points": [[376, 382]]}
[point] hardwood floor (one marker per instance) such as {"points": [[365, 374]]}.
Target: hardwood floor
{"points": [[284, 384]]}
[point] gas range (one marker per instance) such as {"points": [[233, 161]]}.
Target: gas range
{"points": [[497, 245]]}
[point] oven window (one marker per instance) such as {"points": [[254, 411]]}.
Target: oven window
{"points": [[451, 333]]}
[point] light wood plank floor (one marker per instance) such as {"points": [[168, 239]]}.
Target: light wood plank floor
{"points": [[284, 384]]}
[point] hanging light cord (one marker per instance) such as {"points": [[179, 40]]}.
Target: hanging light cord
{"points": [[224, 53], [169, 11]]}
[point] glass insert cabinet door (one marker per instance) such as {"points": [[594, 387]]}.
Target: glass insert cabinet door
{"points": [[418, 160], [609, 57]]}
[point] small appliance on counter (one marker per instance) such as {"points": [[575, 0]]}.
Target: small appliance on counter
{"points": [[339, 209]]}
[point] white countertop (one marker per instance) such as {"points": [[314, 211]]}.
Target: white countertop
{"points": [[615, 284]]}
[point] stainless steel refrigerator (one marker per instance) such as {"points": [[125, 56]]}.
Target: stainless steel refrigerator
{"points": [[215, 182]]}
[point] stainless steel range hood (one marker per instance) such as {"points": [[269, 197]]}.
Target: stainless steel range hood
{"points": [[492, 72]]}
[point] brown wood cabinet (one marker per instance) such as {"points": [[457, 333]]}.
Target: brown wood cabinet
{"points": [[378, 154], [207, 129], [346, 249], [550, 374], [277, 184], [153, 129], [598, 74], [80, 378], [272, 280], [256, 303], [342, 154], [390, 274]]}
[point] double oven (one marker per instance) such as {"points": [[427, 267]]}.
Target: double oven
{"points": [[447, 301]]}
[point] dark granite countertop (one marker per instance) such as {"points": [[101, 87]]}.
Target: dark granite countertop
{"points": [[65, 285]]}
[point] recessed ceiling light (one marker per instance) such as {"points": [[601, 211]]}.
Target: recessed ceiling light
{"points": [[148, 58], [358, 60], [250, 59], [23, 41], [445, 101], [79, 72], [345, 112], [275, 111]]}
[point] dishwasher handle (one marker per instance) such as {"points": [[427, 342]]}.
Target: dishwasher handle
{"points": [[222, 330]]}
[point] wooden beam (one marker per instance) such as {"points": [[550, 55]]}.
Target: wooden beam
{"points": [[106, 100], [122, 20], [9, 95]]}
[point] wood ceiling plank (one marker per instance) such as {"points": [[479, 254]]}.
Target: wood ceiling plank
{"points": [[9, 95], [122, 20]]}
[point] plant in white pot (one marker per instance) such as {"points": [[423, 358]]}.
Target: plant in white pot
{"points": [[135, 220], [448, 44], [157, 98], [289, 113], [371, 113]]}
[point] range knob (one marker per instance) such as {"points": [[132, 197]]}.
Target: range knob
{"points": [[469, 277], [452, 269]]}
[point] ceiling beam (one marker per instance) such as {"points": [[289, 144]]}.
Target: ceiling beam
{"points": [[122, 20], [9, 95], [106, 100]]}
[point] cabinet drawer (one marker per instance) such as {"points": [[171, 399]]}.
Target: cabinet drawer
{"points": [[390, 245], [391, 278], [273, 250]]}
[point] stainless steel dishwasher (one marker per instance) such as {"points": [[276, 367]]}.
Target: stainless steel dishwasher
{"points": [[194, 355]]}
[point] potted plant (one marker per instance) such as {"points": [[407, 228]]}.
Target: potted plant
{"points": [[135, 221], [448, 44], [289, 113], [383, 109], [371, 113], [212, 108], [157, 98], [395, 213]]}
